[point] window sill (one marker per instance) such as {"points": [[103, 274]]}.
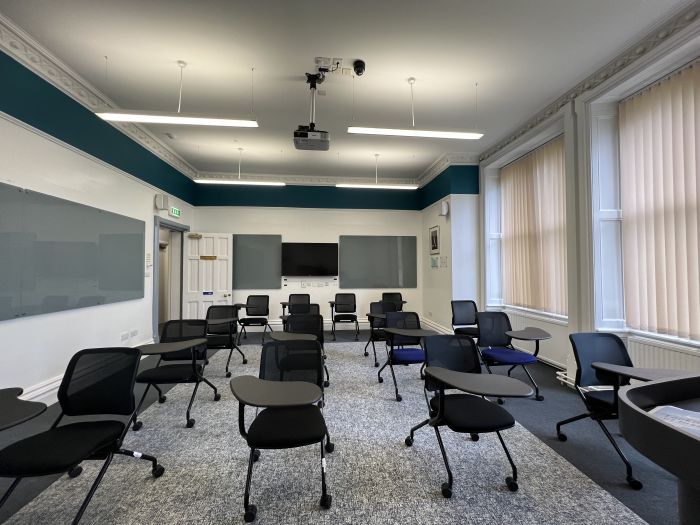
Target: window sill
{"points": [[538, 315]]}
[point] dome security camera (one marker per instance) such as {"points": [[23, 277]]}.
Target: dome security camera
{"points": [[359, 67]]}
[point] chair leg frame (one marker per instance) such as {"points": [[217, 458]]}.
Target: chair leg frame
{"points": [[628, 465], [194, 394], [510, 459], [93, 488], [9, 491], [246, 494], [136, 425], [444, 456], [538, 397]]}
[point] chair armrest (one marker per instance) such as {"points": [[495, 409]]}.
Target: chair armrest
{"points": [[253, 391], [480, 384]]}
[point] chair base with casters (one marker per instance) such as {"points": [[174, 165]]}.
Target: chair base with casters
{"points": [[221, 342], [252, 321], [513, 358], [400, 356], [345, 318], [372, 339]]}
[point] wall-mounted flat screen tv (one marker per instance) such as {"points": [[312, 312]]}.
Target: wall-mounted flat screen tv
{"points": [[309, 259]]}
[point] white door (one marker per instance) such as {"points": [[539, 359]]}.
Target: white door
{"points": [[208, 273]]}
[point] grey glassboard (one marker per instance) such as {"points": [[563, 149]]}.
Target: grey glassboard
{"points": [[367, 261], [58, 255], [257, 262]]}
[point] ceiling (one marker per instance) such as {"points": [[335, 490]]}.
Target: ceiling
{"points": [[522, 54]]}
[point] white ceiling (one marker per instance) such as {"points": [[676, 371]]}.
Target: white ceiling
{"points": [[522, 53]]}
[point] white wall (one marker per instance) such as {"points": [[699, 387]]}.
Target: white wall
{"points": [[34, 351], [315, 225], [437, 282]]}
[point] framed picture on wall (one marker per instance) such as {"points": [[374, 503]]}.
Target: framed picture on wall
{"points": [[434, 236]]}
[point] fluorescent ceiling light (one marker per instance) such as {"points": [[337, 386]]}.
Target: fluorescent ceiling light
{"points": [[462, 135], [154, 117], [238, 182], [379, 186]]}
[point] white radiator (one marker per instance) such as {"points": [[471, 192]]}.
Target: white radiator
{"points": [[651, 353]]}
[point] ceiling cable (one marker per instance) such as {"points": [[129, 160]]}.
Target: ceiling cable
{"points": [[181, 65], [412, 81]]}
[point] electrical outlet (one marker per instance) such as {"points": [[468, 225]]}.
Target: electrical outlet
{"points": [[125, 336], [134, 333]]}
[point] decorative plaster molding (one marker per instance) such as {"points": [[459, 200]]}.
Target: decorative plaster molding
{"points": [[676, 24], [22, 47], [299, 180], [444, 162]]}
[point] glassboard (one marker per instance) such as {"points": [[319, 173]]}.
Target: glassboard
{"points": [[257, 262], [58, 255], [367, 261]]}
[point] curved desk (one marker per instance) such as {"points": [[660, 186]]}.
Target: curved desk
{"points": [[256, 392], [669, 447], [490, 385], [166, 348], [14, 410], [292, 336]]}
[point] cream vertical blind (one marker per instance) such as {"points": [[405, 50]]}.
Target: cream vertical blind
{"points": [[533, 214], [659, 150]]}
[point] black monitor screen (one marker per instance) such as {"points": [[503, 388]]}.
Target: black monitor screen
{"points": [[306, 259]]}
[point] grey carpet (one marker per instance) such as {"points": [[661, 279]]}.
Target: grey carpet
{"points": [[373, 476]]}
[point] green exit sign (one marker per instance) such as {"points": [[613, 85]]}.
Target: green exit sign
{"points": [[174, 212]]}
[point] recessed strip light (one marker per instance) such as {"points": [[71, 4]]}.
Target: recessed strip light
{"points": [[153, 117], [237, 182], [462, 135], [378, 186]]}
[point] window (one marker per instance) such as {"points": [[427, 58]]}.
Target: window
{"points": [[533, 215], [659, 131]]}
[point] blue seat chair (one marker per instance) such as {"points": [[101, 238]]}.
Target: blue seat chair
{"points": [[402, 350]]}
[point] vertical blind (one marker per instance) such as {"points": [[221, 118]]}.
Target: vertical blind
{"points": [[533, 214], [659, 149]]}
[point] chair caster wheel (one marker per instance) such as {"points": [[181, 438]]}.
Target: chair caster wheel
{"points": [[408, 441], [162, 399], [398, 398], [228, 374], [190, 422], [157, 471], [539, 398], [511, 484], [217, 396], [380, 379], [245, 361], [326, 501], [321, 404], [446, 490], [256, 455], [500, 401], [635, 483], [561, 436], [137, 426], [475, 437], [366, 354], [326, 384], [330, 447], [250, 513], [75, 472], [376, 365]]}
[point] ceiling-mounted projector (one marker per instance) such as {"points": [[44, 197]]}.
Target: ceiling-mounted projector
{"points": [[308, 137]]}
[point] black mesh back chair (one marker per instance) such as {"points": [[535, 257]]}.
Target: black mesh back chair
{"points": [[496, 347], [98, 383], [402, 350], [257, 308], [344, 310], [187, 365], [223, 335], [394, 297], [464, 318], [298, 303], [377, 325], [600, 404], [463, 413], [309, 324]]}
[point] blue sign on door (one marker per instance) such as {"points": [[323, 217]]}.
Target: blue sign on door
{"points": [[207, 293]]}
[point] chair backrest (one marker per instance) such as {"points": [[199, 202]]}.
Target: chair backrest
{"points": [[345, 303], [590, 347], [292, 361], [388, 306], [221, 311], [463, 313], [452, 352], [257, 305], [492, 329], [403, 320], [304, 308], [394, 297], [306, 324], [182, 330], [298, 303], [100, 381], [377, 307]]}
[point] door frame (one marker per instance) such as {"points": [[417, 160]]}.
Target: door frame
{"points": [[159, 222]]}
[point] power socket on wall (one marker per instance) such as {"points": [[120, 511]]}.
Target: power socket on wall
{"points": [[125, 336]]}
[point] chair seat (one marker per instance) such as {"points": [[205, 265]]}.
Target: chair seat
{"points": [[290, 427], [345, 318], [467, 413], [166, 374], [59, 449], [253, 321], [602, 399], [407, 356], [508, 356], [471, 331], [218, 341]]}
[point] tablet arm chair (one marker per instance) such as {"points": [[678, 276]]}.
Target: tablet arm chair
{"points": [[257, 308], [344, 310], [98, 383], [298, 303], [463, 413], [376, 326], [464, 318], [497, 349], [223, 335], [402, 350], [182, 371], [394, 297], [600, 404], [289, 419], [309, 324]]}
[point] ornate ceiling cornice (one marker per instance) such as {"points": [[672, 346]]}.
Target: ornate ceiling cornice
{"points": [[23, 48], [659, 35], [444, 162]]}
